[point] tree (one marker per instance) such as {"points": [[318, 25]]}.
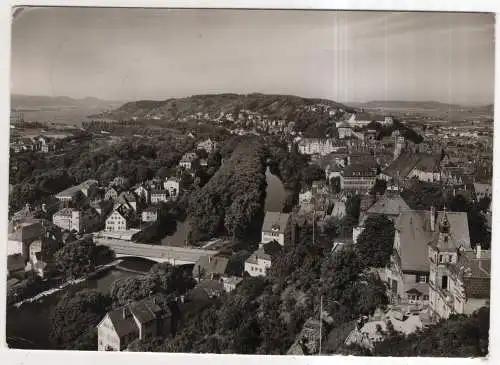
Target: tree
{"points": [[458, 336], [376, 241], [312, 173], [76, 259], [379, 187], [133, 288], [75, 317], [336, 184]]}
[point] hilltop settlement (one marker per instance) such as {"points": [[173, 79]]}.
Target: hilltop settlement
{"points": [[379, 244]]}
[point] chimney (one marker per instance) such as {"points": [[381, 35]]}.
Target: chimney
{"points": [[433, 218], [478, 251]]}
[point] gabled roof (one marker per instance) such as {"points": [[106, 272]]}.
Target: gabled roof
{"points": [[390, 205], [428, 163], [415, 233], [275, 221], [210, 265], [402, 166], [144, 311]]}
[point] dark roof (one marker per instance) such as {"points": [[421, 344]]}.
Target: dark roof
{"points": [[275, 221], [123, 326], [428, 163], [15, 262], [127, 196], [159, 192], [210, 265], [144, 311], [210, 285], [402, 165], [414, 228]]}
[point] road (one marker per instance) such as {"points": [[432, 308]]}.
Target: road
{"points": [[162, 253]]}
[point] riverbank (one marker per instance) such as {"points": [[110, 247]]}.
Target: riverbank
{"points": [[65, 285]]}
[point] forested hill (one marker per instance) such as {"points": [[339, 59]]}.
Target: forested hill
{"points": [[285, 107]]}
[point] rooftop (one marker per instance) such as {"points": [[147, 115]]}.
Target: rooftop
{"points": [[275, 221]]}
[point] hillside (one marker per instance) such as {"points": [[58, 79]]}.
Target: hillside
{"points": [[39, 102], [286, 107]]}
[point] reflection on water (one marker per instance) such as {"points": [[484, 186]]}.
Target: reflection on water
{"points": [[275, 193], [31, 321]]}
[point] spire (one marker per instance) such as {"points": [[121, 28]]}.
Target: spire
{"points": [[444, 226]]}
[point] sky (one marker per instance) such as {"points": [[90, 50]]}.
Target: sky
{"points": [[135, 54]]}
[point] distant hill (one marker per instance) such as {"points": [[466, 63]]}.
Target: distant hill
{"points": [[274, 106], [21, 102], [428, 109]]}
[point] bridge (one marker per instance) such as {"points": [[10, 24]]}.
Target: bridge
{"points": [[170, 254]]}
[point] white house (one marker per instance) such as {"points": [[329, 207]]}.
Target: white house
{"points": [[260, 261], [187, 160], [172, 185], [274, 227], [142, 320], [78, 220], [159, 196], [116, 222]]}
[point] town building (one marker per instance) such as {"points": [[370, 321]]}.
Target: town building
{"points": [[111, 193], [408, 273], [143, 194], [231, 282], [79, 220], [210, 267], [187, 160], [389, 205], [128, 200], [261, 260], [358, 178], [321, 146], [41, 257], [428, 168], [345, 130], [208, 145], [20, 234], [274, 226], [142, 320], [149, 214], [482, 191], [172, 185], [459, 280], [117, 222], [159, 196]]}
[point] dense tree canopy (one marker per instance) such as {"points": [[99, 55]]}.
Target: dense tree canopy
{"points": [[232, 201], [76, 258], [375, 243], [75, 317]]}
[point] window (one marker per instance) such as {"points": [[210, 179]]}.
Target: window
{"points": [[426, 297], [444, 282], [422, 278]]}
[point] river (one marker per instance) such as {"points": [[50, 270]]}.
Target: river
{"points": [[31, 321]]}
